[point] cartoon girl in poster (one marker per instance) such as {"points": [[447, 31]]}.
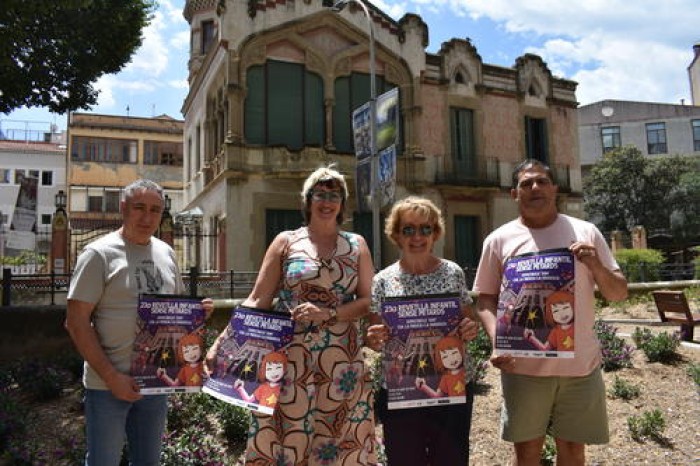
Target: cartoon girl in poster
{"points": [[559, 316], [449, 360], [190, 349], [270, 374]]}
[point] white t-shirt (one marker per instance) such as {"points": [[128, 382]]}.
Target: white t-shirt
{"points": [[513, 239], [111, 273]]}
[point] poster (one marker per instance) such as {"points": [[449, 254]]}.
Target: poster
{"points": [[387, 175], [251, 361], [362, 131], [425, 363], [169, 350], [363, 185], [387, 119], [22, 233], [536, 309]]}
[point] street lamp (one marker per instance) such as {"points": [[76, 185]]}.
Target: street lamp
{"points": [[374, 160], [60, 200]]}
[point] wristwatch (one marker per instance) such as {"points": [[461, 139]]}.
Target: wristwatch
{"points": [[333, 312]]}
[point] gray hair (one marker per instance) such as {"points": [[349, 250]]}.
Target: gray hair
{"points": [[142, 185]]}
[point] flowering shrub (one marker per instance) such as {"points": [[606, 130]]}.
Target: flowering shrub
{"points": [[660, 348], [615, 352]]}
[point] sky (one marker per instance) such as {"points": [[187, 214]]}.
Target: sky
{"points": [[615, 49]]}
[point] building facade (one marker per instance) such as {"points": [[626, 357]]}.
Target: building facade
{"points": [[105, 154], [656, 129], [272, 90], [44, 162]]}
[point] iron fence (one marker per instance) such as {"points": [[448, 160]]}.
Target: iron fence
{"points": [[51, 289], [667, 272]]}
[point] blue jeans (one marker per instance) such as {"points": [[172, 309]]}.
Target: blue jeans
{"points": [[110, 421]]}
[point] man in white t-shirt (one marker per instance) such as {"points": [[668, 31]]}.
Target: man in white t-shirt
{"points": [[566, 395], [101, 319]]}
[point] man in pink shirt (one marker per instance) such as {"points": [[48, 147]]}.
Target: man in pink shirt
{"points": [[565, 395]]}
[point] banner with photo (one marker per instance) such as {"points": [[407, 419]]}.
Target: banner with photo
{"points": [[22, 233], [250, 360], [387, 131], [424, 362], [536, 308], [169, 349], [387, 119]]}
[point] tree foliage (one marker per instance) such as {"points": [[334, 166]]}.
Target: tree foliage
{"points": [[626, 189], [52, 51]]}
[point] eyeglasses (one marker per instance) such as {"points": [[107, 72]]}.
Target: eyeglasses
{"points": [[327, 196], [423, 230], [529, 183]]}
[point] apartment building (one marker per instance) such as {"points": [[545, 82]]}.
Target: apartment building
{"points": [[105, 154]]}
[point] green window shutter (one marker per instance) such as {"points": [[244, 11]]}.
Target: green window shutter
{"points": [[462, 139], [285, 104], [278, 220], [342, 126], [314, 109], [255, 106], [467, 243]]}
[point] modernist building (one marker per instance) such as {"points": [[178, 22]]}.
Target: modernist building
{"points": [[105, 154], [272, 89]]}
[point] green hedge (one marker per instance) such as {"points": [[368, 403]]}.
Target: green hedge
{"points": [[640, 265]]}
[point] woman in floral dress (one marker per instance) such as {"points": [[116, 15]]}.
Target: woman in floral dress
{"points": [[322, 276]]}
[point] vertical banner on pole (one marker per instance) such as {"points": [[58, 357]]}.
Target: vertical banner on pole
{"points": [[387, 138], [362, 135], [22, 234]]}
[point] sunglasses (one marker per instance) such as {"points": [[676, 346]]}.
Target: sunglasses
{"points": [[423, 230], [327, 196]]}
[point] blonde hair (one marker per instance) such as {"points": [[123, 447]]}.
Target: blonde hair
{"points": [[420, 205], [325, 176]]}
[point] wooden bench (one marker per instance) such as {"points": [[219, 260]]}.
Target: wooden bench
{"points": [[672, 306]]}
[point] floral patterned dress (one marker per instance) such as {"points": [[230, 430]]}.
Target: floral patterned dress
{"points": [[324, 415]]}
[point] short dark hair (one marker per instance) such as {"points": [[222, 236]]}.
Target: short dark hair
{"points": [[531, 163]]}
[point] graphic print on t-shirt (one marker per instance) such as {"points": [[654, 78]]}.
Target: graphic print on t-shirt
{"points": [[148, 277]]}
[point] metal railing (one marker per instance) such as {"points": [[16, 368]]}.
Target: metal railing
{"points": [[52, 289]]}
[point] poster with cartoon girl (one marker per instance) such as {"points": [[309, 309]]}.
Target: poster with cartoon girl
{"points": [[168, 350], [559, 317], [250, 359], [270, 375], [424, 362], [449, 362], [535, 314], [190, 351]]}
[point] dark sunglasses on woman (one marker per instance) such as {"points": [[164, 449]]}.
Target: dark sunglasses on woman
{"points": [[328, 196], [423, 230]]}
